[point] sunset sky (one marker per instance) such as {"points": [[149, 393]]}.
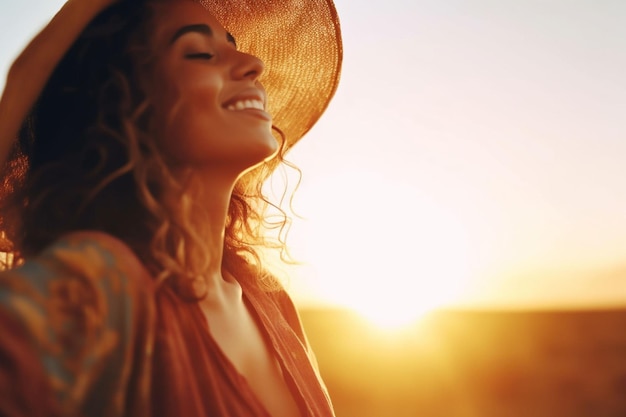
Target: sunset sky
{"points": [[475, 153]]}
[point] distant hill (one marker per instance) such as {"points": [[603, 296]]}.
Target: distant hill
{"points": [[475, 364]]}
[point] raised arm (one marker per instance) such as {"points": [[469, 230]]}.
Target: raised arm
{"points": [[32, 68]]}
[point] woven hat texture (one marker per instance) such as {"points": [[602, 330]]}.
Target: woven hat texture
{"points": [[300, 43]]}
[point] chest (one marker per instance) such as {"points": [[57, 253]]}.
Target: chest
{"points": [[239, 335]]}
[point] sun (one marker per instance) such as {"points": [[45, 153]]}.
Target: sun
{"points": [[393, 312], [392, 302], [391, 257]]}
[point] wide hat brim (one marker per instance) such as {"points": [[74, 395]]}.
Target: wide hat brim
{"points": [[300, 43]]}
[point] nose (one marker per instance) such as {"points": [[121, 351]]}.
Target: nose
{"points": [[247, 66]]}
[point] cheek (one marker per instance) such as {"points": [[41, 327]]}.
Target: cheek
{"points": [[185, 105], [191, 127]]}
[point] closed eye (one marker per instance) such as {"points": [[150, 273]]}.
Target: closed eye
{"points": [[199, 56]]}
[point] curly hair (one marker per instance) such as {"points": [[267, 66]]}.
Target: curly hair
{"points": [[86, 160]]}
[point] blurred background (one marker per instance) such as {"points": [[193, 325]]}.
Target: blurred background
{"points": [[463, 207]]}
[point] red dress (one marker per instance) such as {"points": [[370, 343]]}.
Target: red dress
{"points": [[84, 333]]}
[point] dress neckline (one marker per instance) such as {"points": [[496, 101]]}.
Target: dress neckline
{"points": [[231, 370]]}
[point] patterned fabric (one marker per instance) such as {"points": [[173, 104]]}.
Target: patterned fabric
{"points": [[76, 321], [84, 333]]}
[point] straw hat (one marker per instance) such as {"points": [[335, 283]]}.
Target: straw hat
{"points": [[300, 43]]}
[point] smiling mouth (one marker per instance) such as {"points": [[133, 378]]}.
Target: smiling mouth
{"points": [[246, 104]]}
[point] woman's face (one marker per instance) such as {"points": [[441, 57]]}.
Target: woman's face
{"points": [[209, 105]]}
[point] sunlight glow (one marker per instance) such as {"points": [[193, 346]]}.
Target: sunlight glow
{"points": [[395, 314], [390, 256]]}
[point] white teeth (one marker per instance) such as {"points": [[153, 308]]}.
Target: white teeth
{"points": [[246, 104]]}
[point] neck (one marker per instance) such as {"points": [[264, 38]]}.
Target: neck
{"points": [[210, 196]]}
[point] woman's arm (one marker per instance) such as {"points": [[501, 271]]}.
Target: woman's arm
{"points": [[76, 324], [32, 68]]}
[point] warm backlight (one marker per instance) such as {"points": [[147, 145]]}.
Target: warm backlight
{"points": [[390, 255]]}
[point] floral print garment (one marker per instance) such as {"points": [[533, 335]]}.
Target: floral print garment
{"points": [[75, 326]]}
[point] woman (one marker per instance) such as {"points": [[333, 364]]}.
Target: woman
{"points": [[133, 213]]}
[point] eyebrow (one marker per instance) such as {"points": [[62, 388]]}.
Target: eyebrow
{"points": [[199, 28]]}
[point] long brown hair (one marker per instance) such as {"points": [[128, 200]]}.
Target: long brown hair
{"points": [[85, 160]]}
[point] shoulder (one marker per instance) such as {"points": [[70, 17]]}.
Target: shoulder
{"points": [[91, 253], [77, 265], [89, 279], [289, 312], [83, 276]]}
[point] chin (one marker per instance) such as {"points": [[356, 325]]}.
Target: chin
{"points": [[265, 151], [267, 148], [264, 155]]}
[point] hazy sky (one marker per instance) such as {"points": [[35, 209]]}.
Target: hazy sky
{"points": [[488, 141], [474, 149]]}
